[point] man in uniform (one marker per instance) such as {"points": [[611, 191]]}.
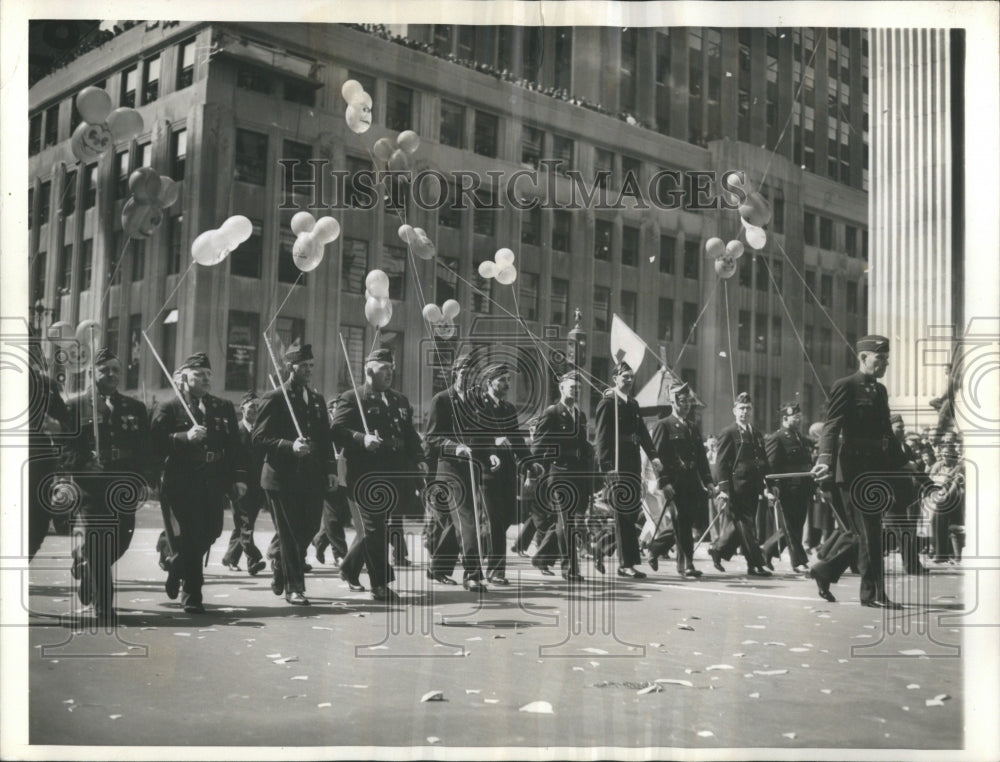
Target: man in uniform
{"points": [[202, 462], [105, 520], [620, 433], [295, 472], [451, 521], [247, 508], [336, 512], [859, 411], [561, 438], [787, 453], [741, 465], [906, 507], [685, 476], [382, 450]]}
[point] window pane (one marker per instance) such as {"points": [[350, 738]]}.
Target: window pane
{"points": [[129, 82], [251, 157], [776, 334], [692, 258], [528, 296], [531, 145], [665, 320], [531, 227], [178, 153], [151, 80], [560, 301], [185, 63], [255, 80], [562, 150], [602, 240], [121, 174], [399, 107], [353, 266], [630, 246], [482, 294], [760, 341], [69, 194], [629, 305], [138, 260], [302, 171], [452, 132], [241, 350], [486, 134], [247, 260], [175, 249], [668, 251], [689, 315], [743, 330], [394, 265], [90, 187], [561, 225], [86, 263], [602, 308]]}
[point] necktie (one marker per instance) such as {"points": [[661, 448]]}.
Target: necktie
{"points": [[105, 408], [198, 411]]}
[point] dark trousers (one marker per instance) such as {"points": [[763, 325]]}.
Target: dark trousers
{"points": [[453, 490], [500, 498], [625, 499], [944, 517], [334, 520], [40, 509], [103, 533], [741, 531], [868, 526], [296, 515], [197, 507], [688, 496], [245, 512], [794, 505], [564, 519], [440, 538], [370, 548], [841, 553]]}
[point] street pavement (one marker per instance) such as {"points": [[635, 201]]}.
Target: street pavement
{"points": [[719, 662]]}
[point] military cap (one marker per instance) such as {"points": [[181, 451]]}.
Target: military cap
{"points": [[104, 355], [895, 418], [743, 398], [679, 387], [250, 396], [196, 361], [790, 408], [380, 355], [296, 354], [571, 375], [621, 367], [495, 370], [872, 343]]}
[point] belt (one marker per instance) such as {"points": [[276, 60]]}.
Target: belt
{"points": [[211, 456]]}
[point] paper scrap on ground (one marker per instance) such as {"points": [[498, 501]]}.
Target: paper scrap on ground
{"points": [[301, 677], [671, 681], [654, 688], [286, 660], [719, 666], [595, 651], [914, 652], [788, 735], [432, 696], [754, 695], [685, 627], [769, 672], [433, 739], [537, 707], [114, 716], [324, 705], [705, 733]]}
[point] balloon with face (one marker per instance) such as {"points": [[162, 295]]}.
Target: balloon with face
{"points": [[506, 275], [358, 118], [725, 267], [307, 252], [90, 141], [140, 220], [378, 311], [144, 184], [432, 314]]}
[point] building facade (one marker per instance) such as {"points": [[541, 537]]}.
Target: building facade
{"points": [[223, 103]]}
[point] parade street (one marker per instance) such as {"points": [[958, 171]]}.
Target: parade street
{"points": [[720, 661]]}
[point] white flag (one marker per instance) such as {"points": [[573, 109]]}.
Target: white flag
{"points": [[626, 344]]}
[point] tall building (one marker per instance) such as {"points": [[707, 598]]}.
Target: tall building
{"points": [[224, 102]]}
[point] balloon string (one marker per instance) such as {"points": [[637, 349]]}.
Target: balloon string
{"points": [[538, 348], [291, 290], [171, 295], [114, 273], [729, 334], [695, 324], [378, 331]]}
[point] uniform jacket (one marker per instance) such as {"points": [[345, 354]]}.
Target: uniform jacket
{"points": [[447, 421], [391, 416], [492, 419], [789, 452], [220, 458], [859, 412], [741, 463], [254, 462], [632, 434], [561, 439], [274, 434], [124, 435], [681, 451]]}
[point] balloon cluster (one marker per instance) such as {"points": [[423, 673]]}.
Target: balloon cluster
{"points": [[213, 246], [725, 256], [311, 238], [395, 157], [151, 194], [378, 306], [755, 213], [502, 267], [101, 127], [74, 347], [359, 106], [443, 317], [418, 241]]}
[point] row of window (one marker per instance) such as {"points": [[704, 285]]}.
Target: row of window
{"points": [[825, 232], [44, 130]]}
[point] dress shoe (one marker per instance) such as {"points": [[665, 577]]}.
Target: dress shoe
{"points": [[321, 555], [573, 577], [337, 561], [801, 568], [716, 559], [296, 599], [256, 567], [763, 572], [753, 571], [599, 564], [515, 549], [823, 587], [172, 586], [277, 578], [882, 603], [691, 572], [232, 567], [387, 594], [306, 567], [474, 586], [499, 579], [768, 564], [441, 577], [353, 583], [631, 572], [544, 569], [654, 562], [194, 608]]}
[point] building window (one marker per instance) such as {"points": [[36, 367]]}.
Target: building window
{"points": [[69, 194], [810, 281], [531, 53], [178, 153], [483, 218], [604, 165], [776, 334], [628, 65], [299, 92], [138, 260], [864, 244], [826, 290], [241, 350], [851, 240], [251, 157], [777, 268], [51, 126], [35, 135], [144, 155], [486, 127], [852, 297], [356, 192], [130, 79], [38, 279], [467, 43], [66, 269], [248, 259], [745, 272], [446, 279], [169, 345], [482, 294], [692, 258], [121, 174], [825, 343], [290, 330], [394, 264], [778, 212], [531, 226], [354, 339], [742, 383], [630, 246], [602, 308], [452, 129], [353, 266], [115, 253], [602, 240], [630, 307], [531, 145], [761, 272], [689, 316], [302, 170], [559, 299], [668, 253], [528, 299], [561, 227], [562, 151], [809, 228], [825, 233], [90, 186], [255, 80], [86, 263], [665, 320], [743, 330], [175, 248], [185, 64], [442, 39], [399, 107], [809, 340], [287, 271], [631, 167], [448, 215], [151, 79], [31, 208], [760, 342], [133, 351]]}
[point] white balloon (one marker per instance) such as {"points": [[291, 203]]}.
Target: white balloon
{"points": [[756, 237], [205, 249], [446, 329], [351, 90], [307, 252], [359, 120], [715, 247], [424, 248], [406, 233], [487, 269], [236, 230], [734, 249], [302, 222], [326, 230], [504, 257], [408, 140], [377, 282], [362, 101], [507, 275], [450, 309], [87, 331], [432, 313], [378, 312]]}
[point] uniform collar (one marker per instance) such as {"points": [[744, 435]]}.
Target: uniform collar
{"points": [[620, 394]]}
